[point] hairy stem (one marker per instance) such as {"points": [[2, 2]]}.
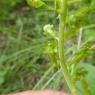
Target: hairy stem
{"points": [[62, 26]]}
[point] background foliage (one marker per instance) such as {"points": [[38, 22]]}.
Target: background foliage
{"points": [[23, 61]]}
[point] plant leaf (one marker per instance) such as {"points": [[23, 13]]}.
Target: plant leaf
{"points": [[37, 4], [90, 77]]}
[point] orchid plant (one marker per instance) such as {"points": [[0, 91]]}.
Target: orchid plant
{"points": [[67, 46]]}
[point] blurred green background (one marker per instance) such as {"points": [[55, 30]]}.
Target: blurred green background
{"points": [[22, 58], [24, 64]]}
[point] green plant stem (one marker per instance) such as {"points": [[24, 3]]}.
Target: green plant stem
{"points": [[62, 25], [85, 87]]}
